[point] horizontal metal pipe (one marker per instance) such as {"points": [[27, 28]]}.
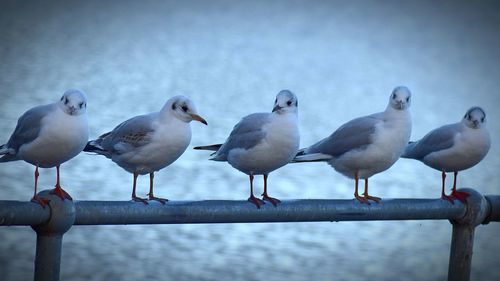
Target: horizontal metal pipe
{"points": [[224, 211], [494, 210], [22, 213]]}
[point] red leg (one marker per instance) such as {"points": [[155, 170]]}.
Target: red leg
{"points": [[266, 197], [36, 198], [460, 195], [252, 199], [443, 195], [134, 197], [58, 190], [150, 194], [356, 195], [368, 197]]}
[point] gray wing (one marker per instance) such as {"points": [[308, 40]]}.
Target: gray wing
{"points": [[246, 134], [133, 133], [28, 126], [436, 140], [355, 134]]}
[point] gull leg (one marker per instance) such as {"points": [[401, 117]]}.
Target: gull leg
{"points": [[266, 197], [368, 197], [150, 194], [252, 199], [58, 189], [361, 199], [460, 195], [36, 198], [134, 197], [444, 196]]}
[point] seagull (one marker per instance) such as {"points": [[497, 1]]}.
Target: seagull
{"points": [[366, 145], [262, 142], [454, 147], [48, 135], [148, 143]]}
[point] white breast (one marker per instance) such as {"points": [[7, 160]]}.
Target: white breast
{"points": [[276, 150], [470, 147], [389, 140], [61, 138]]}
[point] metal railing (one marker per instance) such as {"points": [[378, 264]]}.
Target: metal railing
{"points": [[51, 223]]}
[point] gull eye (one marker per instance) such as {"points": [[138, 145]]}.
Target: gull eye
{"points": [[173, 106], [393, 96], [184, 108], [289, 103], [408, 99], [81, 104], [469, 117], [482, 120], [66, 101]]}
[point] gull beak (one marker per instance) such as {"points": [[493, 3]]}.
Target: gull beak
{"points": [[276, 108], [198, 118]]}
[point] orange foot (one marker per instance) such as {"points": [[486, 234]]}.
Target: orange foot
{"points": [[161, 200], [139, 199], [256, 201], [449, 198], [273, 201], [369, 197], [362, 199], [460, 195], [39, 200], [58, 191]]}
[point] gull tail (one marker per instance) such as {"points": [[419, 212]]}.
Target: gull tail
{"points": [[303, 156], [95, 147], [213, 147], [408, 153], [9, 154]]}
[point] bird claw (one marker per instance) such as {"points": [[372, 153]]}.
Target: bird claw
{"points": [[369, 197], [139, 199], [274, 201], [460, 195], [448, 198], [362, 199], [41, 201], [59, 192], [161, 200], [256, 201]]}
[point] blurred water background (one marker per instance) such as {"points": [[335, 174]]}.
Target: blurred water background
{"points": [[341, 58]]}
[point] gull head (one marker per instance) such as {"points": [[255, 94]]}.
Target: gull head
{"points": [[474, 118], [73, 102], [285, 102], [400, 98], [184, 109]]}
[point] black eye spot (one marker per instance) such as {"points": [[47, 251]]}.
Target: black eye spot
{"points": [[173, 106], [66, 101], [482, 120], [289, 103], [469, 117], [408, 99], [81, 104], [184, 108]]}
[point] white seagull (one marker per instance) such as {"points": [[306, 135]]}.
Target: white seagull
{"points": [[454, 147], [49, 135], [262, 142], [147, 143], [366, 145]]}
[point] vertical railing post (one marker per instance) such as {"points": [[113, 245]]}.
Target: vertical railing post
{"points": [[462, 240], [49, 237]]}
